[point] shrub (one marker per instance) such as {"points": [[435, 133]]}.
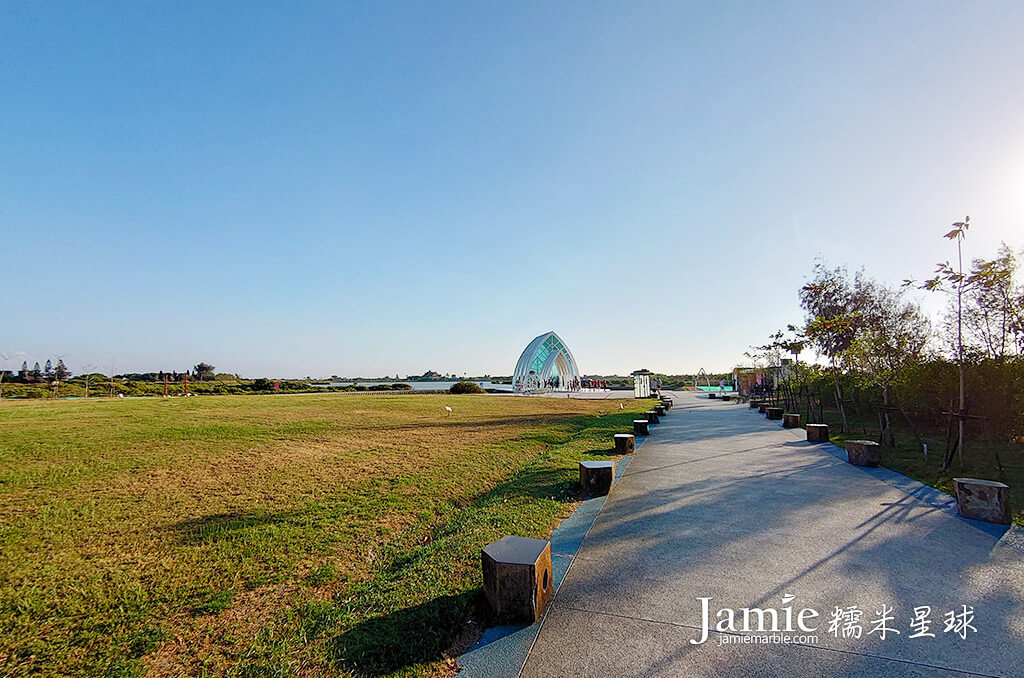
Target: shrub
{"points": [[466, 387]]}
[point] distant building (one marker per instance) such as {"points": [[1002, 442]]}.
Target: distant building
{"points": [[747, 379]]}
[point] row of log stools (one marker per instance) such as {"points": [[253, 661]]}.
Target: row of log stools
{"points": [[642, 427], [789, 419], [977, 499], [816, 433], [517, 572]]}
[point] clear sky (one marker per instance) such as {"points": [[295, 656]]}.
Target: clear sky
{"points": [[362, 188]]}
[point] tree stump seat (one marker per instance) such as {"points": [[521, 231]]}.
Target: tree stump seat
{"points": [[773, 412], [652, 416], [641, 427], [817, 433], [660, 410], [518, 578], [625, 443], [863, 452], [597, 477], [754, 404], [762, 408], [986, 500], [790, 420]]}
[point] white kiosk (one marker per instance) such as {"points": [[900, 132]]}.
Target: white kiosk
{"points": [[642, 383]]}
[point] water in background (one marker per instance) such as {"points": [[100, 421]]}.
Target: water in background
{"points": [[424, 385]]}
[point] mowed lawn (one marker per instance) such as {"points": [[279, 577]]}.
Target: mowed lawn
{"points": [[270, 535]]}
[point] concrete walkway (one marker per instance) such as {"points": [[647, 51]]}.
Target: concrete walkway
{"points": [[722, 503]]}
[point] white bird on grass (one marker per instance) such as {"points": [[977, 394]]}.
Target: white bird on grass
{"points": [[449, 410]]}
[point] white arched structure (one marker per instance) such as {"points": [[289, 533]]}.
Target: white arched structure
{"points": [[546, 363]]}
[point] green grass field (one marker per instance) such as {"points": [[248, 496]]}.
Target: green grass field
{"points": [[270, 535]]}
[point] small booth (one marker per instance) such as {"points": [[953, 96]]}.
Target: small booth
{"points": [[642, 383]]}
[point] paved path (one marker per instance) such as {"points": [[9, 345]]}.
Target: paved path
{"points": [[722, 503]]}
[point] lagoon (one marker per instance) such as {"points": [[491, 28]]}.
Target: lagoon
{"points": [[423, 385]]}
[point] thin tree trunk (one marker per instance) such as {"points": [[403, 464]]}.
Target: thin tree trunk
{"points": [[887, 432], [961, 422], [839, 400]]}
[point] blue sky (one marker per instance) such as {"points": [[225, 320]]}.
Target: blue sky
{"points": [[292, 189]]}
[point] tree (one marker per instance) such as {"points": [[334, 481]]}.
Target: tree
{"points": [[465, 387], [768, 355], [48, 370], [830, 325], [891, 333], [202, 371], [864, 326], [795, 344], [993, 317], [61, 372], [954, 281], [36, 372]]}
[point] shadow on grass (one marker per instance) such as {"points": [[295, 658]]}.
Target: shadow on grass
{"points": [[404, 638], [420, 634], [207, 529]]}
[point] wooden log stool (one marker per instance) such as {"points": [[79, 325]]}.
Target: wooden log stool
{"points": [[790, 420], [817, 433], [518, 578], [762, 407], [667, 402], [625, 443], [712, 395], [773, 412], [754, 404], [597, 477], [660, 410], [863, 452], [652, 416], [641, 427], [985, 500]]}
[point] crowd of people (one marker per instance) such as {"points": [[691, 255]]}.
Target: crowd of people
{"points": [[532, 383]]}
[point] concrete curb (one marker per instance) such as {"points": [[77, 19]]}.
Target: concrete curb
{"points": [[503, 650]]}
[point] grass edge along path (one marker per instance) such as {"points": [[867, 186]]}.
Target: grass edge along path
{"points": [[409, 615]]}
